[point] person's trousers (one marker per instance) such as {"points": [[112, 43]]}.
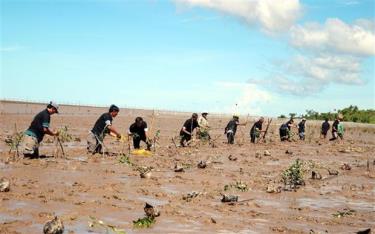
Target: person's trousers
{"points": [[184, 137], [94, 143], [30, 146]]}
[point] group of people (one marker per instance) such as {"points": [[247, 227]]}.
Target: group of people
{"points": [[139, 130], [40, 126]]}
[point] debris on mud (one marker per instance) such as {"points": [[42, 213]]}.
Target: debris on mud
{"points": [[4, 185], [258, 155], [343, 213], [232, 158], [238, 185], [367, 231], [150, 211], [145, 172], [229, 198], [333, 172], [178, 168], [273, 189], [188, 197], [96, 223], [202, 165], [54, 226], [267, 153], [289, 152], [316, 175], [293, 176], [346, 167]]}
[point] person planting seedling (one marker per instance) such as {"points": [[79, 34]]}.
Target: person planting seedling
{"points": [[203, 127], [188, 128], [231, 128], [38, 128], [301, 129], [256, 129], [285, 130], [138, 130], [102, 126]]}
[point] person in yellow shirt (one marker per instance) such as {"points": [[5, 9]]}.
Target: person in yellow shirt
{"points": [[203, 127]]}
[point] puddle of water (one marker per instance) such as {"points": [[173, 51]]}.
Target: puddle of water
{"points": [[170, 189], [335, 202]]}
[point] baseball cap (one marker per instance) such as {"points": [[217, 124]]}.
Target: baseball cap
{"points": [[54, 105]]}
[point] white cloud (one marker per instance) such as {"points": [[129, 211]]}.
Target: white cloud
{"points": [[327, 68], [306, 75], [272, 16], [249, 98], [337, 36]]}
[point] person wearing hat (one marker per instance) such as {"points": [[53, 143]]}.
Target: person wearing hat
{"points": [[139, 132], [301, 129], [188, 128], [38, 128], [337, 128], [203, 127], [256, 129], [231, 128], [102, 126], [285, 130]]}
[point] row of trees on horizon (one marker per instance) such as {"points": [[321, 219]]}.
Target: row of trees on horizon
{"points": [[351, 114]]}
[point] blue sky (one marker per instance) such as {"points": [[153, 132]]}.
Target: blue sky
{"points": [[191, 55]]}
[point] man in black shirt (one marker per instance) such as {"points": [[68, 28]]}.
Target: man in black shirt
{"points": [[38, 128], [301, 129], [285, 130], [256, 129], [139, 132], [188, 128], [102, 126], [335, 127], [231, 129], [325, 128]]}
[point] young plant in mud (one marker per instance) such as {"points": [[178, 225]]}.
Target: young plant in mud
{"points": [[124, 159], [14, 141], [343, 213], [64, 135], [149, 219], [145, 222], [239, 185], [293, 176]]}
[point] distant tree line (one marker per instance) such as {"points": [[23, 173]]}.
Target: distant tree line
{"points": [[351, 114]]}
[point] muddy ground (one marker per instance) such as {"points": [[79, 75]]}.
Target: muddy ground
{"points": [[84, 185]]}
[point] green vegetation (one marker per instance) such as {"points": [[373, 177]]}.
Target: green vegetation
{"points": [[64, 135], [125, 159], [351, 114], [343, 213], [14, 141], [239, 185], [145, 222], [293, 176]]}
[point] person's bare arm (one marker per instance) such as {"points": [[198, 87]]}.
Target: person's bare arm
{"points": [[185, 131], [113, 130], [49, 132]]}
